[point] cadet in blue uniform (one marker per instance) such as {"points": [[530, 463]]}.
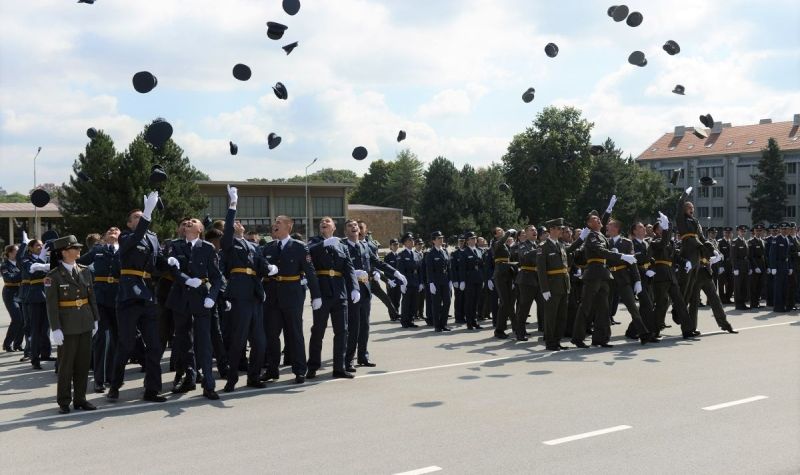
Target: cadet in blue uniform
{"points": [[285, 297], [104, 258], [470, 277], [195, 268], [781, 267], [12, 279], [139, 253], [409, 263], [725, 279], [437, 274], [34, 269], [337, 280], [394, 287], [458, 294]]}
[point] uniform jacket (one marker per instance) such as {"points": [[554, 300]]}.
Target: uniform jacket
{"points": [[780, 253], [33, 282], [12, 277], [725, 249], [455, 260], [690, 230], [332, 258], [502, 256], [552, 267], [641, 250], [105, 260], [139, 251], [195, 261], [71, 303], [597, 251], [757, 254], [365, 259], [740, 255], [438, 267], [410, 263], [662, 250], [292, 261], [391, 259], [624, 274], [240, 254], [470, 267], [526, 256]]}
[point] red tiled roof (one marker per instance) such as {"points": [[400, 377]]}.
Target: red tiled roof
{"points": [[731, 140]]}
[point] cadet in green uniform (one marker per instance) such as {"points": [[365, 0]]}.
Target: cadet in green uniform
{"points": [[758, 263], [552, 268], [527, 281], [72, 312], [740, 257]]}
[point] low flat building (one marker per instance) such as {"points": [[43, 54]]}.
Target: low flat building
{"points": [[730, 155], [15, 216], [384, 223]]}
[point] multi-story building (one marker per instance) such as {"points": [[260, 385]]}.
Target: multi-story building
{"points": [[729, 155]]}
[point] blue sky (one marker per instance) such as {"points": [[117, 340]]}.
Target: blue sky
{"points": [[450, 73]]}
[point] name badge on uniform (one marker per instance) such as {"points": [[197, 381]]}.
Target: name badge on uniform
{"points": [[551, 254], [239, 247]]}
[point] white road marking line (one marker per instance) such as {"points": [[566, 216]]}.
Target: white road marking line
{"points": [[420, 471], [734, 403], [586, 435], [122, 406]]}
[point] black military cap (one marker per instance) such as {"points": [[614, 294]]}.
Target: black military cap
{"points": [[291, 6], [597, 150], [527, 96], [280, 91], [419, 241], [555, 223], [242, 72], [611, 10], [49, 236], [637, 59], [290, 47], [678, 89], [712, 230], [634, 19], [676, 173], [273, 140], [436, 235], [393, 241], [90, 2], [792, 224], [505, 187], [207, 221], [541, 230], [759, 226], [158, 133], [708, 181], [91, 132], [671, 47], [620, 13], [707, 120], [469, 235], [157, 175], [460, 237], [66, 242], [727, 228], [83, 176], [773, 226], [144, 82], [233, 147], [784, 225], [742, 227], [401, 135], [40, 198], [275, 30], [551, 50], [360, 153], [406, 237]]}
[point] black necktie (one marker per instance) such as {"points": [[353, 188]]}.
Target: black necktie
{"points": [[75, 274]]}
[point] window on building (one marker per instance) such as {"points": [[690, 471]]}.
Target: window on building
{"points": [[702, 171], [716, 191], [791, 211], [791, 168], [717, 172], [791, 189], [293, 206], [217, 207], [717, 212], [253, 207], [332, 206], [702, 211], [702, 192]]}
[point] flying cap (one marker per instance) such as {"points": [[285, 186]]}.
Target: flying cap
{"points": [[551, 50], [242, 72], [144, 82], [273, 140]]}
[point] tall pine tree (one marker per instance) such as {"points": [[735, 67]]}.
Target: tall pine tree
{"points": [[768, 197], [441, 207]]}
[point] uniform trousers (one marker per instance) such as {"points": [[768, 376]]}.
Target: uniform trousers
{"points": [[337, 310], [73, 368], [245, 321], [144, 315]]}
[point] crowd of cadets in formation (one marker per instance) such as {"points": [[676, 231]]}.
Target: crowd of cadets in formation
{"points": [[209, 292]]}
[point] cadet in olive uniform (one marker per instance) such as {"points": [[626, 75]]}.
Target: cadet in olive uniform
{"points": [[725, 278], [504, 272], [665, 283], [437, 275], [72, 312], [470, 277], [758, 264], [709, 255], [691, 234], [409, 263], [527, 281], [553, 267], [740, 258]]}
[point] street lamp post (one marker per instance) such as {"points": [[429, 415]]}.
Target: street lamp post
{"points": [[308, 222]]}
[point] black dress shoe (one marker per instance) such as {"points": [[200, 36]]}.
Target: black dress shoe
{"points": [[446, 329], [409, 325], [501, 335], [696, 333], [153, 396], [522, 338], [63, 409], [631, 336], [184, 387], [645, 337], [311, 374], [579, 344], [85, 405], [98, 388], [728, 328], [252, 383], [603, 345], [24, 358], [742, 307], [36, 366], [350, 369], [268, 376], [477, 327], [48, 358], [210, 394], [299, 379], [343, 375], [562, 347], [230, 387], [438, 330], [367, 363], [113, 394], [689, 336], [552, 348], [654, 339]]}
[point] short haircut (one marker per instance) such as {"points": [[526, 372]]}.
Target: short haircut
{"points": [[132, 212], [92, 239], [213, 234]]}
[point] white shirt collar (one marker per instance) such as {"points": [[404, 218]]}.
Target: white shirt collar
{"points": [[284, 241], [69, 267], [194, 241], [352, 243], [554, 241]]}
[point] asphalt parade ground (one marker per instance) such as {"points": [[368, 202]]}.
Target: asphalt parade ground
{"points": [[457, 402]]}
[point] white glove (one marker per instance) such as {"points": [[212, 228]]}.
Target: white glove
{"points": [[403, 289], [689, 190], [628, 258], [736, 272], [790, 271], [611, 203], [173, 262], [94, 330], [688, 266], [663, 221], [376, 275], [150, 202], [57, 337], [25, 238], [721, 271], [400, 277], [360, 274], [272, 269], [490, 284], [316, 303], [512, 231], [637, 287], [228, 305], [546, 296], [355, 296], [233, 197], [758, 270], [649, 273], [462, 285], [331, 241], [750, 272], [391, 283], [715, 259], [39, 267], [578, 272], [774, 271], [208, 302], [193, 282], [421, 287], [432, 287], [584, 233], [303, 281], [43, 254]]}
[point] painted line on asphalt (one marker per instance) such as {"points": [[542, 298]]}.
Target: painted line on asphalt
{"points": [[138, 404], [421, 471], [734, 403], [586, 435]]}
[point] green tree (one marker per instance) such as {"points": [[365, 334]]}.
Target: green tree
{"points": [[488, 205], [441, 207], [404, 183], [768, 198], [558, 145], [371, 188], [328, 175], [14, 198]]}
